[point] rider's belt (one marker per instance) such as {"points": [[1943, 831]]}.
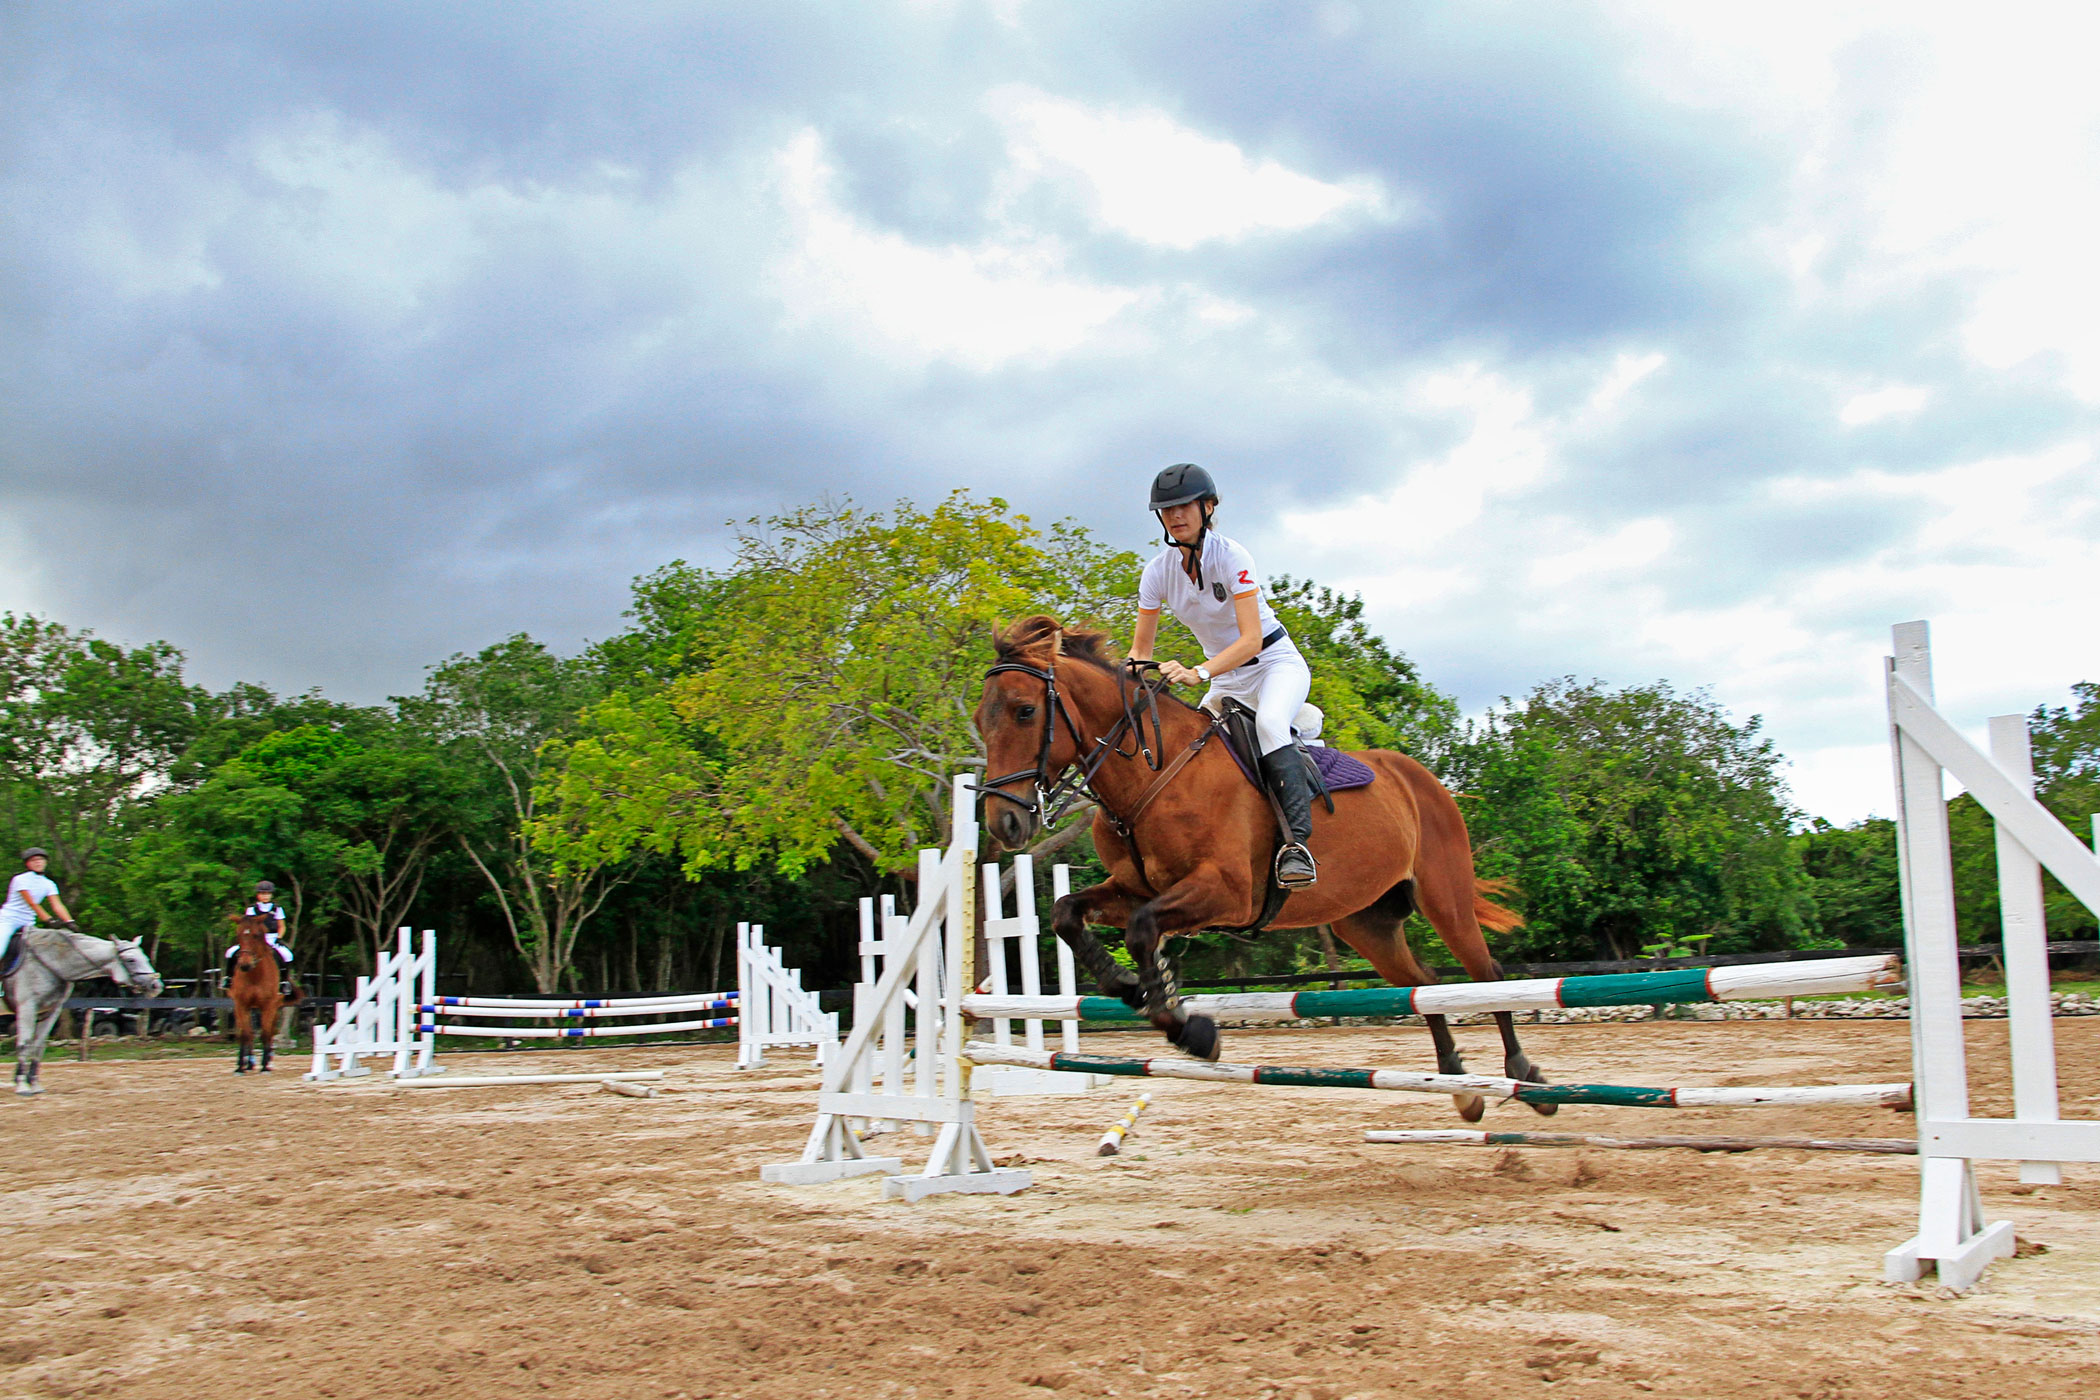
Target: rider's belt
{"points": [[1266, 642]]}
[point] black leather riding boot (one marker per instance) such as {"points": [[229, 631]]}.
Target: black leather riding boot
{"points": [[1285, 770]]}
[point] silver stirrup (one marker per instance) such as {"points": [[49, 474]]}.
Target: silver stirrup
{"points": [[1295, 882]]}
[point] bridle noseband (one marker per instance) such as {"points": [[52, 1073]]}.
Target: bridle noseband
{"points": [[1056, 792]]}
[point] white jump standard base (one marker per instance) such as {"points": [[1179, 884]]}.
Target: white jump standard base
{"points": [[926, 962]]}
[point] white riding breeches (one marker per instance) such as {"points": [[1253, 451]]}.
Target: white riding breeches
{"points": [[1274, 687]]}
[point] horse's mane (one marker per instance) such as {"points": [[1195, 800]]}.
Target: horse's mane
{"points": [[1039, 640]]}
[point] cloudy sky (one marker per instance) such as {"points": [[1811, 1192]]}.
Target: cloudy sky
{"points": [[1627, 341]]}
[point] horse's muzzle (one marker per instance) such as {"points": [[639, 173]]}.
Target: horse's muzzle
{"points": [[1010, 826]]}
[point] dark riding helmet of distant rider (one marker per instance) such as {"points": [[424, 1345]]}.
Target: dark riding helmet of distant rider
{"points": [[265, 887], [1181, 483], [33, 852]]}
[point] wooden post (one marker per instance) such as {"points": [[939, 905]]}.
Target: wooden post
{"points": [[2024, 935], [1951, 1231]]}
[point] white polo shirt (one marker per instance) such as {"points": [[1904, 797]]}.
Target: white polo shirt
{"points": [[17, 913], [276, 912], [1228, 573]]}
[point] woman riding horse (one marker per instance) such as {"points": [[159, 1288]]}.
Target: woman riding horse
{"points": [[1208, 581], [1191, 844], [46, 962]]}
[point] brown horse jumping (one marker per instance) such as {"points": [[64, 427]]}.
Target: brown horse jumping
{"points": [[1193, 852], [255, 993]]}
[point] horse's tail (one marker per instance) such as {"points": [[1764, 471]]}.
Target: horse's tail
{"points": [[1494, 917], [293, 995]]}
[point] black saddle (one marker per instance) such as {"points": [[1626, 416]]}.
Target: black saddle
{"points": [[1244, 744]]}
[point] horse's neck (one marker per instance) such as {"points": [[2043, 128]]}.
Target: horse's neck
{"points": [[1121, 781], [78, 956]]}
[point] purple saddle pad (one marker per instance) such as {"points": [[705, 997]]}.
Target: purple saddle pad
{"points": [[1340, 770]]}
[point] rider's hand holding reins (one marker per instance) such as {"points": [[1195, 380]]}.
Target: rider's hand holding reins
{"points": [[1178, 674]]}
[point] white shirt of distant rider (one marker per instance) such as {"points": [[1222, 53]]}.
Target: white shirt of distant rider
{"points": [[24, 893], [275, 911]]}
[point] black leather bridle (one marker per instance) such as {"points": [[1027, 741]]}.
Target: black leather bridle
{"points": [[1056, 792]]}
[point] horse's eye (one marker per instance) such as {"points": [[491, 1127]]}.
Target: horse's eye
{"points": [[1024, 713]]}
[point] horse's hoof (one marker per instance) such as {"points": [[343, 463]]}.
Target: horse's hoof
{"points": [[1532, 1074], [1198, 1035], [264, 1070], [1470, 1107], [26, 1090]]}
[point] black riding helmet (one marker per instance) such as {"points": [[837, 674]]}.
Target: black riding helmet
{"points": [[1181, 483], [33, 852], [1177, 486], [265, 887]]}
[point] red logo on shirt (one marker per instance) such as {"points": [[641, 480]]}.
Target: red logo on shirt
{"points": [[1244, 579]]}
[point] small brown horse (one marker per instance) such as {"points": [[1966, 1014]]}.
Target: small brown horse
{"points": [[256, 975], [1190, 849]]}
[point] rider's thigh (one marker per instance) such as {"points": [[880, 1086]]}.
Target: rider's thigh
{"points": [[1284, 686]]}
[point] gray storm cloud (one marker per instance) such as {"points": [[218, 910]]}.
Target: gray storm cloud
{"points": [[334, 341]]}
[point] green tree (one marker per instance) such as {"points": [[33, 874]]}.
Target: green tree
{"points": [[822, 690], [376, 796], [2066, 741], [1853, 879], [1633, 817], [501, 714], [89, 730]]}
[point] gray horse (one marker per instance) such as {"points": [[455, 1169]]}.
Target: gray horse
{"points": [[52, 961]]}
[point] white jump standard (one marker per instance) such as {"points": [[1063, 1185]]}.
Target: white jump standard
{"points": [[1952, 1234], [867, 1081], [397, 1012], [775, 1010]]}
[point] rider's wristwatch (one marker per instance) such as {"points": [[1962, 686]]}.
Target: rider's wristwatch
{"points": [[1203, 674]]}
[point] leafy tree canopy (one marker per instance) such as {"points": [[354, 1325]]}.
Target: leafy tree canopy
{"points": [[819, 690], [1630, 818]]}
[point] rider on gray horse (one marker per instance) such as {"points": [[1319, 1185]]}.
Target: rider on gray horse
{"points": [[30, 895]]}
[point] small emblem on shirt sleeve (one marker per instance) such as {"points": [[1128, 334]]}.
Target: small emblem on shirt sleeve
{"points": [[1244, 579]]}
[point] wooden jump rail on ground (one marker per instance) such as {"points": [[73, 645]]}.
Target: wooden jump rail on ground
{"points": [[1485, 1085], [497, 1081], [1679, 987]]}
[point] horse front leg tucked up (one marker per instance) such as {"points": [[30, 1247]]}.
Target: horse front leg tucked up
{"points": [[1108, 904], [1190, 905]]}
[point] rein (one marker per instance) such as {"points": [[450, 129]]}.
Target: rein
{"points": [[1056, 792]]}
